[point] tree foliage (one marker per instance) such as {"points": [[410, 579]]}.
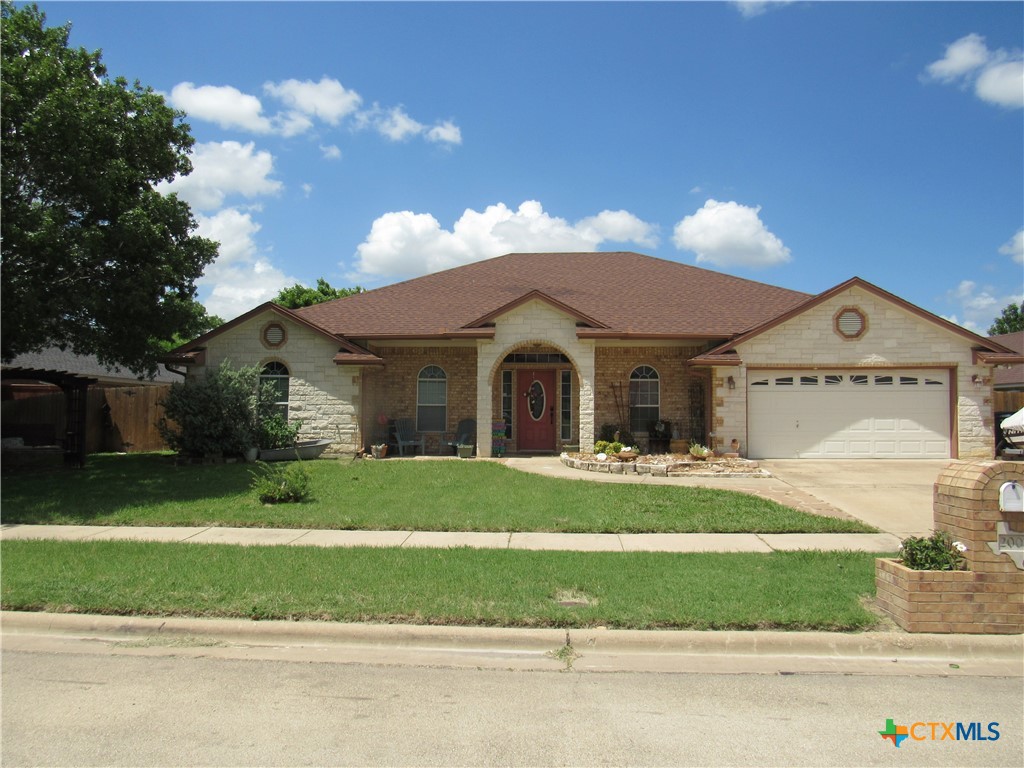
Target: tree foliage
{"points": [[94, 258], [1010, 321], [303, 296], [225, 411]]}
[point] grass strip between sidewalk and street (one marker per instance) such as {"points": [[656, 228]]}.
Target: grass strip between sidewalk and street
{"points": [[781, 590], [150, 489]]}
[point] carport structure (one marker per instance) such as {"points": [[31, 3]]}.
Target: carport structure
{"points": [[75, 388]]}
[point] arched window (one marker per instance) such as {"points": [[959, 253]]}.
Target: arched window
{"points": [[432, 400], [644, 399], [276, 374]]}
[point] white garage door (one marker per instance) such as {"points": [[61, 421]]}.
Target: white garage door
{"points": [[853, 415]]}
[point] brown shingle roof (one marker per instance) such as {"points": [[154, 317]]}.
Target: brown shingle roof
{"points": [[1010, 377], [628, 293]]}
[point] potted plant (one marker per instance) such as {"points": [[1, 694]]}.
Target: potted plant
{"points": [[465, 451], [379, 451], [698, 451]]}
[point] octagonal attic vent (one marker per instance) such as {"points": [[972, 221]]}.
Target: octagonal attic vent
{"points": [[850, 323], [274, 335]]}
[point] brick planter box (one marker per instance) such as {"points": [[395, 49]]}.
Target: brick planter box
{"points": [[950, 601]]}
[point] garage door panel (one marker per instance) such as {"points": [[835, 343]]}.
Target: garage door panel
{"points": [[901, 414]]}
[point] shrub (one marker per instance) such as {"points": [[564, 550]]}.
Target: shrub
{"points": [[274, 431], [280, 483], [699, 451], [607, 434], [937, 552], [212, 414]]}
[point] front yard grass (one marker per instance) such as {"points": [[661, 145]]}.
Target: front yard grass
{"points": [[781, 590], [150, 489]]}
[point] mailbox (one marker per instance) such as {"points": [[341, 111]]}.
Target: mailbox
{"points": [[1011, 497]]}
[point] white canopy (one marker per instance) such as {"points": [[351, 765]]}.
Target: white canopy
{"points": [[1014, 424]]}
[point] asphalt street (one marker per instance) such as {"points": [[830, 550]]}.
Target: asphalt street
{"points": [[136, 704]]}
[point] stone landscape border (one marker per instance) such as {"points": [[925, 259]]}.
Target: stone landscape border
{"points": [[614, 467]]}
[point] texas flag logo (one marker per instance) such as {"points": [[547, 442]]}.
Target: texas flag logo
{"points": [[895, 733]]}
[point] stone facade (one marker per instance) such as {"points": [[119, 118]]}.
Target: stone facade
{"points": [[533, 323], [323, 395], [986, 598], [894, 337]]}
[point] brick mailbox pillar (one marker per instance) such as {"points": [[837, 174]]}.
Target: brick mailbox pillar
{"points": [[989, 596]]}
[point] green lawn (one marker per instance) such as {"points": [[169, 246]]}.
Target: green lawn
{"points": [[150, 489], [782, 590]]}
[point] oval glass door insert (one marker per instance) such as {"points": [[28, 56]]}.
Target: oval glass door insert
{"points": [[536, 395]]}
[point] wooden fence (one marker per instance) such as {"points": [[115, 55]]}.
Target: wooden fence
{"points": [[117, 418], [1011, 402]]}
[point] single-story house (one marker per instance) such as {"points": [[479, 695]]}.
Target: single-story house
{"points": [[543, 350]]}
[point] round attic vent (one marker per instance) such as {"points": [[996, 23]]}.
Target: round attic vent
{"points": [[274, 335], [850, 323]]}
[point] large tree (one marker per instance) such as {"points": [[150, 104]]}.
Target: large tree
{"points": [[94, 258], [1010, 321], [302, 296]]}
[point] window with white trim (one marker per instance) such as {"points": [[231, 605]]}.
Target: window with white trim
{"points": [[432, 400], [276, 374], [644, 399]]}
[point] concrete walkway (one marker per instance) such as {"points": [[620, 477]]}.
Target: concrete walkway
{"points": [[577, 542], [893, 496]]}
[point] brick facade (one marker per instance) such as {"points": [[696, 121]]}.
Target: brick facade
{"points": [[682, 390], [391, 389], [986, 598]]}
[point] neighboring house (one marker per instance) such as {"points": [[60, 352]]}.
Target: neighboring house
{"points": [[1009, 378], [549, 347]]}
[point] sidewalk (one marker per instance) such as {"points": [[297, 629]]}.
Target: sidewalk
{"points": [[881, 543]]}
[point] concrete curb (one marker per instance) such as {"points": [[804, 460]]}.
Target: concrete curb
{"points": [[868, 645]]}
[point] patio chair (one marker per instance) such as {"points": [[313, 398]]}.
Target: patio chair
{"points": [[405, 437], [465, 434]]}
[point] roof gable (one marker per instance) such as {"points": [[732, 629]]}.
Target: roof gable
{"points": [[727, 350], [348, 352], [526, 298]]}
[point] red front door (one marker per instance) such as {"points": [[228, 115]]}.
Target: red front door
{"points": [[536, 421]]}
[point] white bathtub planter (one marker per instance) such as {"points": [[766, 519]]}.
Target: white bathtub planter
{"points": [[302, 450]]}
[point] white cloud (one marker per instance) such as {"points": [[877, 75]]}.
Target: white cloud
{"points": [[751, 8], [396, 125], [220, 169], [407, 244], [307, 189], [997, 76], [1014, 247], [240, 278], [1002, 84], [445, 133], [978, 306], [330, 152], [730, 235], [226, 106], [327, 100]]}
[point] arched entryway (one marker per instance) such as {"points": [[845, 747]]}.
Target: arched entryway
{"points": [[536, 400]]}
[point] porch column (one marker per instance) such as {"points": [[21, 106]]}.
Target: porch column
{"points": [[584, 360], [485, 356]]}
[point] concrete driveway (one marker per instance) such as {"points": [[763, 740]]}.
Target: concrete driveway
{"points": [[893, 495]]}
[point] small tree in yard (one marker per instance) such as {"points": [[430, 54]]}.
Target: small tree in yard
{"points": [[213, 414], [227, 411]]}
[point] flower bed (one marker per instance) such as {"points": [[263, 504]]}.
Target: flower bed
{"points": [[666, 465]]}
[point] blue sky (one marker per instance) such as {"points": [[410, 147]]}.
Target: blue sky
{"points": [[797, 144]]}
